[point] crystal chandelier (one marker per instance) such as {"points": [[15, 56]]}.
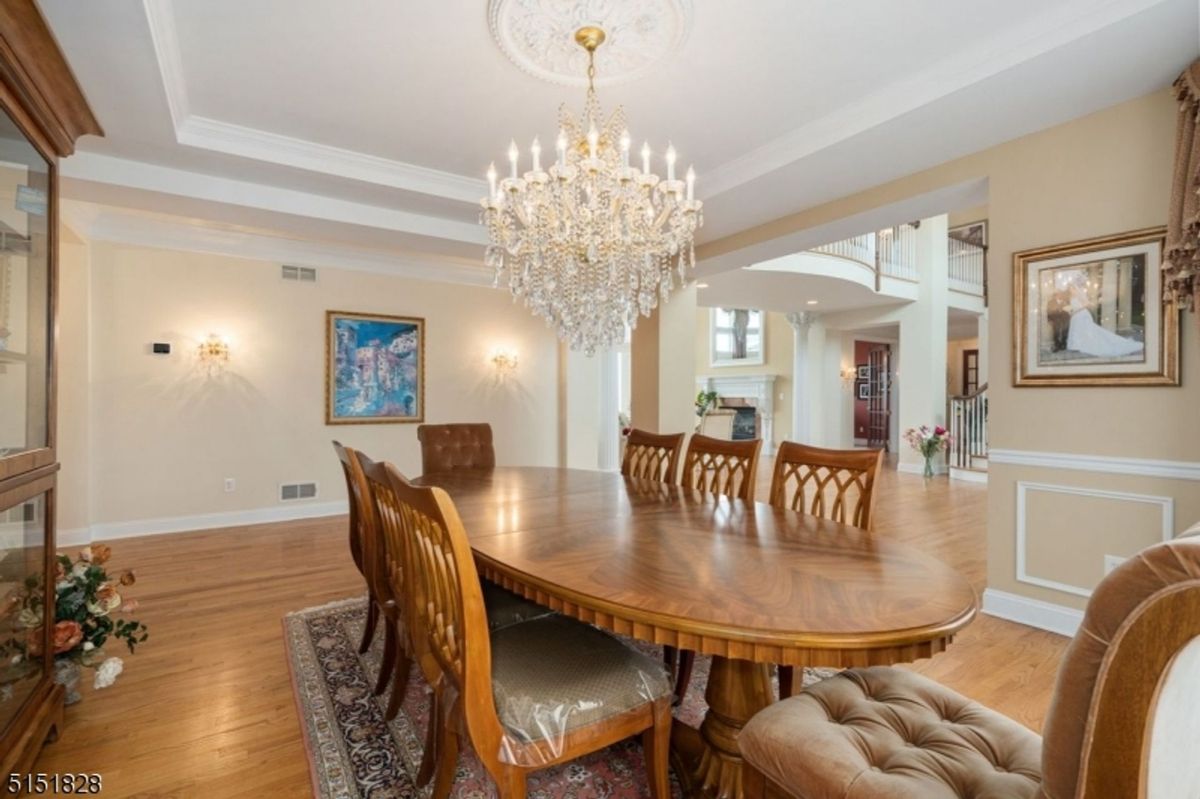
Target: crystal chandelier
{"points": [[593, 242]]}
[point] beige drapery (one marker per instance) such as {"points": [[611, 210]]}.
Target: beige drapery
{"points": [[1181, 267]]}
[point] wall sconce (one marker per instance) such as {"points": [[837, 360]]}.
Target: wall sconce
{"points": [[848, 374], [214, 352], [504, 362]]}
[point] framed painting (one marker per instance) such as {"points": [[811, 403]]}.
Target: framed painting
{"points": [[972, 233], [1091, 313], [863, 371], [737, 337], [374, 368], [863, 389]]}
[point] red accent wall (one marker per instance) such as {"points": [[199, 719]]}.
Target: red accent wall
{"points": [[861, 348]]}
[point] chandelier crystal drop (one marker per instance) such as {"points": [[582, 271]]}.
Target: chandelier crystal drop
{"points": [[592, 242]]}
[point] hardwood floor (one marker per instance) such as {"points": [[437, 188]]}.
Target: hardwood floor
{"points": [[205, 707]]}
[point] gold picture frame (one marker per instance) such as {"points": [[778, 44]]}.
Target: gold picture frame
{"points": [[1091, 313], [386, 382]]}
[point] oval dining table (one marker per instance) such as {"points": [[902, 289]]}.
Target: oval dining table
{"points": [[745, 582]]}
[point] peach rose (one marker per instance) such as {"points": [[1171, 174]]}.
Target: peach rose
{"points": [[130, 606], [127, 578], [67, 635], [101, 553], [107, 600]]}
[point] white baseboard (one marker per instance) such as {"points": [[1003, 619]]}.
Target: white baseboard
{"points": [[205, 521], [1033, 612], [968, 475]]}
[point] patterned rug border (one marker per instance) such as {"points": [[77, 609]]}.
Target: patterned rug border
{"points": [[301, 717]]}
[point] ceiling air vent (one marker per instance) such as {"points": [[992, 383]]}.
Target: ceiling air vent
{"points": [[303, 274], [293, 491]]}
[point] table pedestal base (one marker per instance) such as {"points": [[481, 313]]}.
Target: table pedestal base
{"points": [[707, 761]]}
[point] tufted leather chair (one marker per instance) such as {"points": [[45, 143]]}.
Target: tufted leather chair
{"points": [[445, 447], [1123, 723]]}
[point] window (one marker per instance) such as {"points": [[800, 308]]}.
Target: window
{"points": [[736, 337]]}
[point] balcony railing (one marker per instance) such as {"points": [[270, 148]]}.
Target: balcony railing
{"points": [[892, 252]]}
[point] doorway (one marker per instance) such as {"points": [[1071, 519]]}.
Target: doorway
{"points": [[879, 397]]}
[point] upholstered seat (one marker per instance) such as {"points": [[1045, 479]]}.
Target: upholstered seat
{"points": [[891, 734], [504, 608], [554, 674]]}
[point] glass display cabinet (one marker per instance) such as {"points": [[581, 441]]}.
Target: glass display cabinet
{"points": [[42, 113]]}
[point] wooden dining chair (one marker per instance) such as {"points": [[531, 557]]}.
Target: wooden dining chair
{"points": [[529, 695], [835, 484], [651, 456], [355, 492], [726, 468], [717, 466], [446, 447], [387, 584]]}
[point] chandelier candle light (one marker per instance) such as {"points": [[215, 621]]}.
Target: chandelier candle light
{"points": [[592, 242]]}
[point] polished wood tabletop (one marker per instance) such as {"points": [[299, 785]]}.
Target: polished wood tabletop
{"points": [[718, 576]]}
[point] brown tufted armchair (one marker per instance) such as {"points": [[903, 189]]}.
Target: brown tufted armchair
{"points": [[1123, 724], [445, 447]]}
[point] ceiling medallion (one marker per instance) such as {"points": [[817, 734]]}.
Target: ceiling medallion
{"points": [[592, 242], [538, 36]]}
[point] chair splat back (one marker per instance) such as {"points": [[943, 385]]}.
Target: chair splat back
{"points": [[717, 466], [830, 483], [354, 492], [650, 456], [386, 578], [447, 617]]}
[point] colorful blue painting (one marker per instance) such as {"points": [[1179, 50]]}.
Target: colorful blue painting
{"points": [[375, 368]]}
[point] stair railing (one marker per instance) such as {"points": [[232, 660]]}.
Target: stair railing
{"points": [[968, 428]]}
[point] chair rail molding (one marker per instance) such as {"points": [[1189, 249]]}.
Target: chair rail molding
{"points": [[1106, 464], [760, 388], [1166, 506]]}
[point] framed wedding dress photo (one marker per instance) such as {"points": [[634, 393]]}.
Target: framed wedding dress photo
{"points": [[1091, 313]]}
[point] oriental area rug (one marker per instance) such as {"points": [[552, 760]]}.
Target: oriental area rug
{"points": [[354, 752]]}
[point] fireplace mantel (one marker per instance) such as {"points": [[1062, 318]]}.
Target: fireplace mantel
{"points": [[758, 388]]}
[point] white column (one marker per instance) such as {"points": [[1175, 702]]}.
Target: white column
{"points": [[610, 406], [921, 382], [982, 328], [663, 366], [808, 377]]}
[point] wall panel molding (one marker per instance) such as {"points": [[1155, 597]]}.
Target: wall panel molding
{"points": [[1165, 504]]}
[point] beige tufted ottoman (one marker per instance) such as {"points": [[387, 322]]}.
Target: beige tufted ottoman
{"points": [[888, 733]]}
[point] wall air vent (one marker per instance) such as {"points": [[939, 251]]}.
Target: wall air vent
{"points": [[303, 274], [293, 491]]}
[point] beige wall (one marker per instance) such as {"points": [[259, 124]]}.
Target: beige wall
{"points": [[153, 437], [1102, 174], [777, 360]]}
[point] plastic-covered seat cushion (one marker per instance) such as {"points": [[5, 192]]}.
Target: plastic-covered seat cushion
{"points": [[888, 733], [553, 674], [504, 608]]}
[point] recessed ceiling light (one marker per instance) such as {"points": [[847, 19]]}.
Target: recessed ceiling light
{"points": [[701, 285], [813, 302]]}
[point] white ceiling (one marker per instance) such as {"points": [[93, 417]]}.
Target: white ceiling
{"points": [[372, 121]]}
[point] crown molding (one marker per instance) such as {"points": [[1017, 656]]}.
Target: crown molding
{"points": [[1037, 37], [223, 137], [114, 171], [163, 35], [108, 224], [274, 148]]}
